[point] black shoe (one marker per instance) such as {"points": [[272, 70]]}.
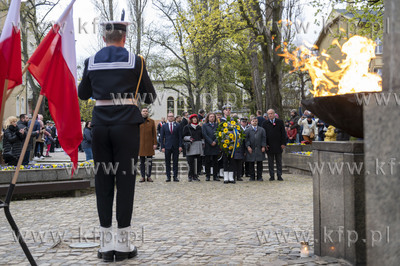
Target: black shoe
{"points": [[120, 256], [106, 256], [252, 179], [190, 179], [168, 180], [207, 178], [226, 182], [280, 178], [239, 179], [271, 179], [216, 179], [196, 178], [176, 179], [260, 179], [232, 182]]}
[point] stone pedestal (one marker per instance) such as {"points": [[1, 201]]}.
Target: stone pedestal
{"points": [[339, 200], [382, 135]]}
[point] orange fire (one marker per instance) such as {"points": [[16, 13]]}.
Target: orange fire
{"points": [[353, 75]]}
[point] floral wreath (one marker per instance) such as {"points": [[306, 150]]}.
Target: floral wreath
{"points": [[229, 134]]}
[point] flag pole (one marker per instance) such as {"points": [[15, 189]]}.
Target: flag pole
{"points": [[3, 104], [6, 204], [27, 138], [23, 72]]}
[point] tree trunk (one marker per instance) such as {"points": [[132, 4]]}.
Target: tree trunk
{"points": [[255, 74], [220, 89], [111, 9]]}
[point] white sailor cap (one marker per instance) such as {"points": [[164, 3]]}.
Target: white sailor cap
{"points": [[227, 106], [115, 25]]}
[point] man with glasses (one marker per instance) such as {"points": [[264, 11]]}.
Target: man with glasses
{"points": [[171, 145]]}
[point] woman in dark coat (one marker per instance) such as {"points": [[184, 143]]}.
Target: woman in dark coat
{"points": [[87, 141], [193, 138], [211, 150], [13, 141]]}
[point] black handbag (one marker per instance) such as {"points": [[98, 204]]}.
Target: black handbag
{"points": [[188, 144], [8, 157]]}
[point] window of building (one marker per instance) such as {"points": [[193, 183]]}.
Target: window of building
{"points": [[18, 111], [171, 105], [379, 46], [378, 71], [23, 105], [181, 106]]}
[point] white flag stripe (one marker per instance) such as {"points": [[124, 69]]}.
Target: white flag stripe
{"points": [[68, 39], [13, 19], [65, 14], [68, 45]]}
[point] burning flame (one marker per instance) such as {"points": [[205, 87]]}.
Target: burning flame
{"points": [[353, 75]]}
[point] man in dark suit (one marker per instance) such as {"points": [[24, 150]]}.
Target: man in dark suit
{"points": [[171, 144], [276, 142], [260, 118], [185, 121]]}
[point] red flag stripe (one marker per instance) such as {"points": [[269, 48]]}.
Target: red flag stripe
{"points": [[50, 69]]}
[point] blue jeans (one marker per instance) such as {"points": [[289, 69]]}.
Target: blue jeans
{"points": [[89, 153]]}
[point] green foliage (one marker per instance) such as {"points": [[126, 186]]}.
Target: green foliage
{"points": [[86, 108], [367, 15]]}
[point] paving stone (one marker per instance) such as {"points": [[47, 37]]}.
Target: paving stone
{"points": [[203, 223]]}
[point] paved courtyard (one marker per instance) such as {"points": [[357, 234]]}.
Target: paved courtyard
{"points": [[180, 223]]}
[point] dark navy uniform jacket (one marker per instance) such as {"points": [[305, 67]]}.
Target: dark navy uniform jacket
{"points": [[114, 70]]}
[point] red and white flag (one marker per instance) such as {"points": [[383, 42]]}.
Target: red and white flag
{"points": [[10, 49], [53, 65]]}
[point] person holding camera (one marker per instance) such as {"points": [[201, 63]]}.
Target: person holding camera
{"points": [[193, 142], [12, 141], [309, 128]]}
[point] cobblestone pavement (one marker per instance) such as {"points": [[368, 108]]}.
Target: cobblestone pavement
{"points": [[180, 223]]}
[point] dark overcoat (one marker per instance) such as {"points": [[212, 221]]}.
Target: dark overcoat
{"points": [[276, 135]]}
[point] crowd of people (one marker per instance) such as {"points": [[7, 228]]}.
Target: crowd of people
{"points": [[196, 131], [195, 137], [43, 137]]}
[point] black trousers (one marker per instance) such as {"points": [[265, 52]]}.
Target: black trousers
{"points": [[212, 161], [26, 157], [278, 158], [146, 165], [238, 168], [202, 163], [52, 146], [259, 169], [175, 156], [39, 149], [115, 153], [228, 163], [194, 162], [245, 169]]}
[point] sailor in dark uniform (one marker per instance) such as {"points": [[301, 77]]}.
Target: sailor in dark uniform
{"points": [[227, 161], [115, 127]]}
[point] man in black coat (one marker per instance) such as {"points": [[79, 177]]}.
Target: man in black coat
{"points": [[211, 150], [183, 124], [276, 142], [171, 145], [110, 73]]}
